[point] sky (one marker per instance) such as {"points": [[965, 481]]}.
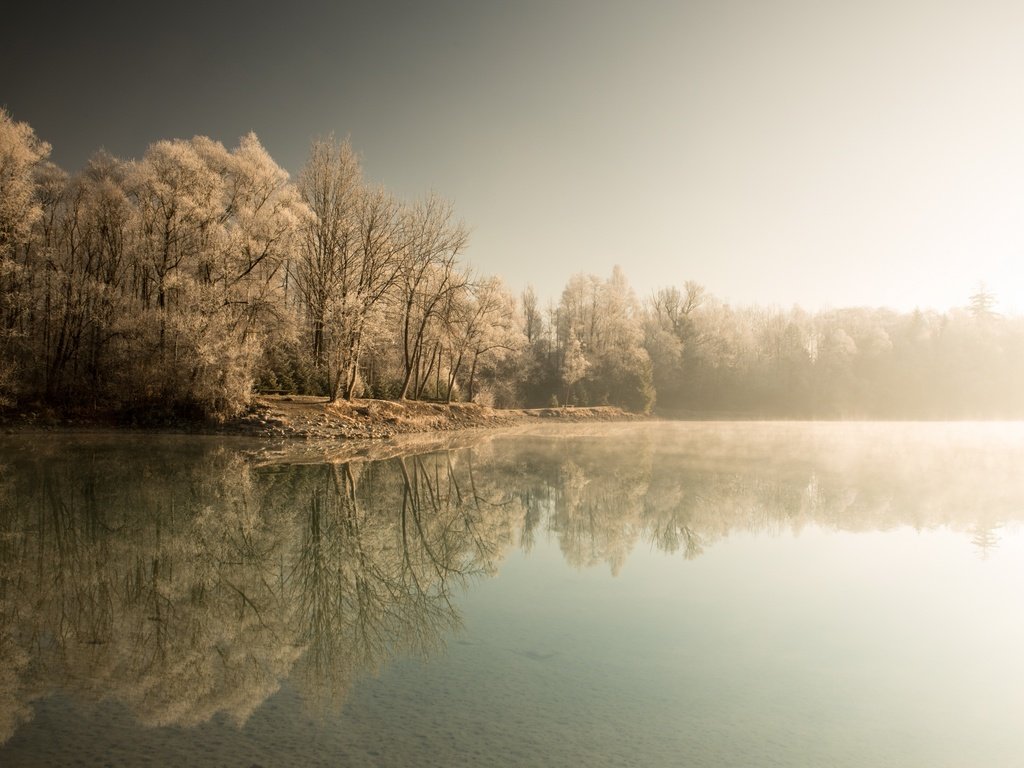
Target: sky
{"points": [[816, 152]]}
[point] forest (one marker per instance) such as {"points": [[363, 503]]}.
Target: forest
{"points": [[186, 281]]}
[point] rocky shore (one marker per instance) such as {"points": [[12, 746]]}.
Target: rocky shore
{"points": [[315, 418], [307, 417]]}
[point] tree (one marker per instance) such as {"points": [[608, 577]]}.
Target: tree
{"points": [[215, 231], [22, 154], [367, 279], [604, 317], [982, 303], [574, 364], [330, 184], [532, 317], [427, 280], [352, 254], [483, 326]]}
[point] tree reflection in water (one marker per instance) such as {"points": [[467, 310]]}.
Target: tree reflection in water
{"points": [[186, 579]]}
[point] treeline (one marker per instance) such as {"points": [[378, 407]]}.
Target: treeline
{"points": [[182, 282], [845, 363]]}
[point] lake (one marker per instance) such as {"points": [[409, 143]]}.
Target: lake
{"points": [[649, 594]]}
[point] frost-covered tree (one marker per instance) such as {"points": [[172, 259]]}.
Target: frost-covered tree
{"points": [[484, 332], [605, 319], [216, 229], [330, 183], [428, 280], [22, 154], [574, 365]]}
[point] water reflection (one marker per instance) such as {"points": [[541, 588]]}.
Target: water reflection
{"points": [[187, 579]]}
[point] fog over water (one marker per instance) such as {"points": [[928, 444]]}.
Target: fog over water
{"points": [[802, 584]]}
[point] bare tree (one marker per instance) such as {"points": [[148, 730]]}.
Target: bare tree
{"points": [[427, 280], [330, 184], [367, 278], [532, 318], [485, 325]]}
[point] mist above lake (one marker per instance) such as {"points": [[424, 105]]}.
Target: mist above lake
{"points": [[838, 592]]}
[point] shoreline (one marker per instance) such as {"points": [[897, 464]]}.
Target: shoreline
{"points": [[308, 417]]}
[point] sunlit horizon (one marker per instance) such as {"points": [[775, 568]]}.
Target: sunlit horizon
{"points": [[797, 153]]}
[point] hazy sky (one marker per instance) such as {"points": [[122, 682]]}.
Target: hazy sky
{"points": [[815, 152]]}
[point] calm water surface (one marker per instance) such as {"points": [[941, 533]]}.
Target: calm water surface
{"points": [[653, 594]]}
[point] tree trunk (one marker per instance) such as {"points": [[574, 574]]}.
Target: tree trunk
{"points": [[472, 377]]}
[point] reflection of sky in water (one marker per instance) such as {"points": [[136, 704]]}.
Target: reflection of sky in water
{"points": [[895, 648], [851, 597]]}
